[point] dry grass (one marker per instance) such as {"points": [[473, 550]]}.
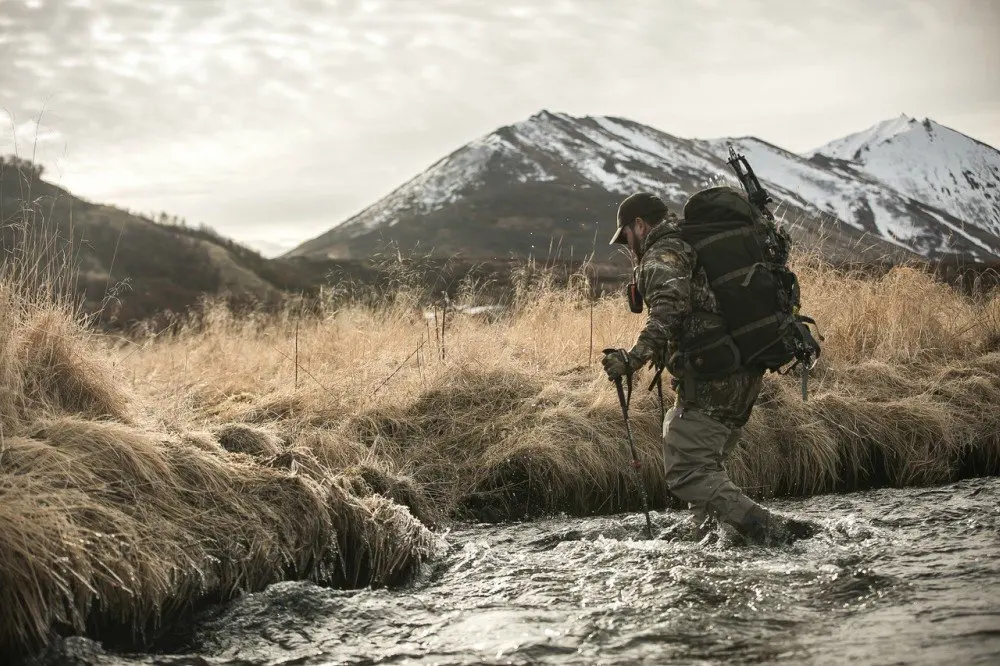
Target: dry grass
{"points": [[517, 419], [140, 477], [117, 522]]}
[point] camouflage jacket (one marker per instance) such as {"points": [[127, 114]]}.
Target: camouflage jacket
{"points": [[672, 286]]}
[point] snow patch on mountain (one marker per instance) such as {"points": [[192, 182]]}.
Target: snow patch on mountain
{"points": [[960, 231], [850, 147], [930, 163], [645, 146], [793, 180], [616, 155], [441, 184], [914, 184], [548, 135]]}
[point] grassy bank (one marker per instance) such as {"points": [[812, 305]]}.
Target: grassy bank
{"points": [[141, 477], [115, 522], [498, 419]]}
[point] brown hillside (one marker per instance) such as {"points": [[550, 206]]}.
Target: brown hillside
{"points": [[128, 266]]}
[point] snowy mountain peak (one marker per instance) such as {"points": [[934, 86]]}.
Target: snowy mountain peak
{"points": [[544, 115], [851, 146], [930, 163]]}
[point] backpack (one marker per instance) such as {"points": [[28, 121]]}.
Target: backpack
{"points": [[745, 258]]}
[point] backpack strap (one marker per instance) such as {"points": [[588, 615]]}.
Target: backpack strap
{"points": [[745, 272], [722, 235]]}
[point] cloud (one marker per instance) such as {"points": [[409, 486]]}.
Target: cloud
{"points": [[30, 134], [218, 110]]}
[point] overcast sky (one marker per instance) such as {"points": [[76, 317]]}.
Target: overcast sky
{"points": [[273, 120]]}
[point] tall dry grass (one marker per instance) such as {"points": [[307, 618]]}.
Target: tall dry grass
{"points": [[517, 419], [117, 518]]}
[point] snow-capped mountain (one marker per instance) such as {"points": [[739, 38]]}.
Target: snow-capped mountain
{"points": [[557, 179], [928, 162]]}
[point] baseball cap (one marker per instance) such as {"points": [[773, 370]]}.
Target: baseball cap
{"points": [[640, 204]]}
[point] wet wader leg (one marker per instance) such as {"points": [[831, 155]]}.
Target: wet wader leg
{"points": [[700, 511], [694, 446]]}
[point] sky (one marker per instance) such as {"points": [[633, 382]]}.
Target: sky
{"points": [[273, 121]]}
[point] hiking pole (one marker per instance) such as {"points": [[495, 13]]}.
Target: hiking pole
{"points": [[624, 401]]}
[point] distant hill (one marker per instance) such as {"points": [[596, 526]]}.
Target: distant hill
{"points": [[130, 267], [929, 163], [554, 180]]}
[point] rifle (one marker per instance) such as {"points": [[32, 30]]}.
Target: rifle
{"points": [[777, 245], [748, 179]]}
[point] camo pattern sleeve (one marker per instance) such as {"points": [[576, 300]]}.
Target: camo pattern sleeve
{"points": [[664, 279]]}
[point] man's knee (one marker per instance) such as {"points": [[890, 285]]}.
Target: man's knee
{"points": [[693, 445], [680, 476], [689, 484], [709, 487]]}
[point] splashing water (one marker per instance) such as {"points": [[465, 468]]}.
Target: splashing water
{"points": [[896, 576]]}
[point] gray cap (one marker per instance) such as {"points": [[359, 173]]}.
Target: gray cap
{"points": [[640, 204]]}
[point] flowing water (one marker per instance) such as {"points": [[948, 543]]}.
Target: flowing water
{"points": [[895, 577]]}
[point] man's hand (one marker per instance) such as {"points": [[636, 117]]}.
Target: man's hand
{"points": [[618, 363]]}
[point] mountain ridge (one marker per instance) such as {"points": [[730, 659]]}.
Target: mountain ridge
{"points": [[908, 119], [127, 267], [550, 157]]}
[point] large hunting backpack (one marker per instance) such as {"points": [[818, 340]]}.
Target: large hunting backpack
{"points": [[745, 257]]}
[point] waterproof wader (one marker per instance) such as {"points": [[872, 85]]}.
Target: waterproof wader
{"points": [[698, 433]]}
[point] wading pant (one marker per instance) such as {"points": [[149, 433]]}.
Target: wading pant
{"points": [[694, 446]]}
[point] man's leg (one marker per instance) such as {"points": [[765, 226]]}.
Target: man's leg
{"points": [[694, 446], [697, 436], [699, 511]]}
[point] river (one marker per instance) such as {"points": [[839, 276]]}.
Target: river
{"points": [[907, 576]]}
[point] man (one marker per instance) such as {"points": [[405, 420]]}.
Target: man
{"points": [[705, 422]]}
